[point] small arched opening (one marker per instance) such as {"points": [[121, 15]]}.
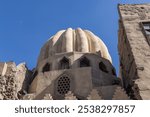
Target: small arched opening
{"points": [[84, 62], [64, 63], [103, 67], [46, 68]]}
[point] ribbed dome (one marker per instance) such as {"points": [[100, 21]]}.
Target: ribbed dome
{"points": [[74, 40]]}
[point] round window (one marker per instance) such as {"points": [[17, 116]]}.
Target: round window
{"points": [[63, 85]]}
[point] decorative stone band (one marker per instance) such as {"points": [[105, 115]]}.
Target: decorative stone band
{"points": [[94, 95], [120, 94]]}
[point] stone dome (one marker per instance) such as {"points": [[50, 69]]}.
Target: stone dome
{"points": [[74, 41]]}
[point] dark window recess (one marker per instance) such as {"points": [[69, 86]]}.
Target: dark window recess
{"points": [[64, 63], [84, 62], [146, 26], [63, 85], [46, 68], [146, 30], [113, 72], [102, 67]]}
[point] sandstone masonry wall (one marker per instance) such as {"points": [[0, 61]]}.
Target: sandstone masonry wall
{"points": [[134, 50], [14, 80], [8, 86]]}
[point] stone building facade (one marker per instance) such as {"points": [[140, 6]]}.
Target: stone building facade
{"points": [[134, 49], [76, 65]]}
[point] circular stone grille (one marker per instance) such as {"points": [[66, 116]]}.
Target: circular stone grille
{"points": [[63, 85]]}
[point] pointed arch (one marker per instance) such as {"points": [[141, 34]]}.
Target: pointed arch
{"points": [[103, 67], [46, 68], [64, 63], [84, 62]]}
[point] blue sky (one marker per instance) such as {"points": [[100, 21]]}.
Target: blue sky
{"points": [[25, 25]]}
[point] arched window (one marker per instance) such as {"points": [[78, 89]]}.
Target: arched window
{"points": [[63, 85], [64, 63], [46, 68], [102, 67], [84, 62]]}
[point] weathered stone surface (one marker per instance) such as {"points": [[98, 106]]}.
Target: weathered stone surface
{"points": [[3, 68], [134, 49], [1, 97], [23, 77], [20, 75], [8, 87], [14, 80]]}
